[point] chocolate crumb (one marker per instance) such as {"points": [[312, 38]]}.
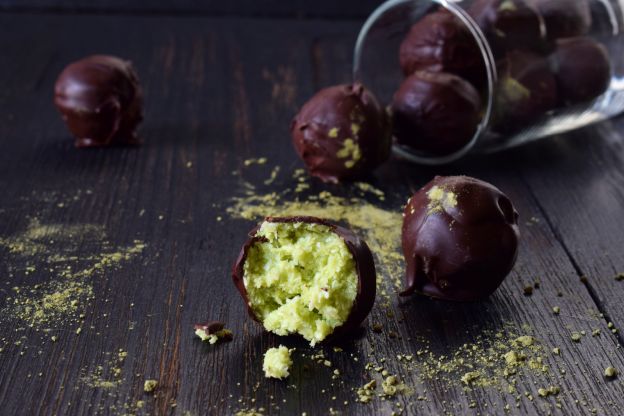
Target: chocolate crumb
{"points": [[528, 290]]}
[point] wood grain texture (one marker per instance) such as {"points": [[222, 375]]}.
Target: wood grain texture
{"points": [[584, 174], [215, 96], [345, 9]]}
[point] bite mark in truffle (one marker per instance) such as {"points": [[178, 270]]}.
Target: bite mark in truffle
{"points": [[460, 239], [100, 100], [307, 276], [436, 113], [440, 42], [582, 69], [342, 133]]}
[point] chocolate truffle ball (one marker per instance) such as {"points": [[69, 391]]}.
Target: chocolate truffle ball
{"points": [[306, 276], [100, 100], [582, 69], [440, 42], [564, 18], [460, 239], [435, 113], [508, 24], [526, 90], [341, 133]]}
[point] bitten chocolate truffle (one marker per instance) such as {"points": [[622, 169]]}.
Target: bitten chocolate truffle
{"points": [[435, 113], [306, 276], [100, 100], [526, 90], [564, 18], [508, 24], [342, 133], [440, 42], [582, 69], [460, 239]]}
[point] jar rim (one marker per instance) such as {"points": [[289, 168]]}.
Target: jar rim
{"points": [[488, 59]]}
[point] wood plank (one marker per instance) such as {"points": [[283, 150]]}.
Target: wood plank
{"points": [[345, 9], [577, 181], [215, 98]]}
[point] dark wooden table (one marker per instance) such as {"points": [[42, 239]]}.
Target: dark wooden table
{"points": [[108, 257]]}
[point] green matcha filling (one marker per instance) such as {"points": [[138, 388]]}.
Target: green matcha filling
{"points": [[302, 280], [277, 362]]}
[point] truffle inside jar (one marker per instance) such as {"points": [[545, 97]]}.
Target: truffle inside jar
{"points": [[300, 277]]}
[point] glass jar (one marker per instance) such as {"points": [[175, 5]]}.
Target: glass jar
{"points": [[486, 75]]}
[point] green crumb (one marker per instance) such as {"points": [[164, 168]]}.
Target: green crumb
{"points": [[619, 277], [576, 337], [513, 358], [150, 385], [441, 199], [595, 332], [366, 393], [389, 385], [470, 377], [545, 392], [258, 161], [351, 151], [556, 310], [249, 412], [300, 278], [556, 351], [610, 372], [525, 340], [277, 362]]}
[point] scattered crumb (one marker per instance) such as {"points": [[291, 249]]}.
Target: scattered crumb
{"points": [[277, 362], [610, 372], [150, 385]]}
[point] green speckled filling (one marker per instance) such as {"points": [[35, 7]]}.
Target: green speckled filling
{"points": [[303, 280]]}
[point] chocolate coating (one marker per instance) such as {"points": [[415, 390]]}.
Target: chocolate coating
{"points": [[508, 24], [461, 251], [564, 18], [526, 90], [341, 133], [364, 266], [582, 69], [440, 42], [100, 100], [435, 113]]}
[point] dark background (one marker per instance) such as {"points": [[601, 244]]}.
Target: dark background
{"points": [[326, 9], [222, 81]]}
